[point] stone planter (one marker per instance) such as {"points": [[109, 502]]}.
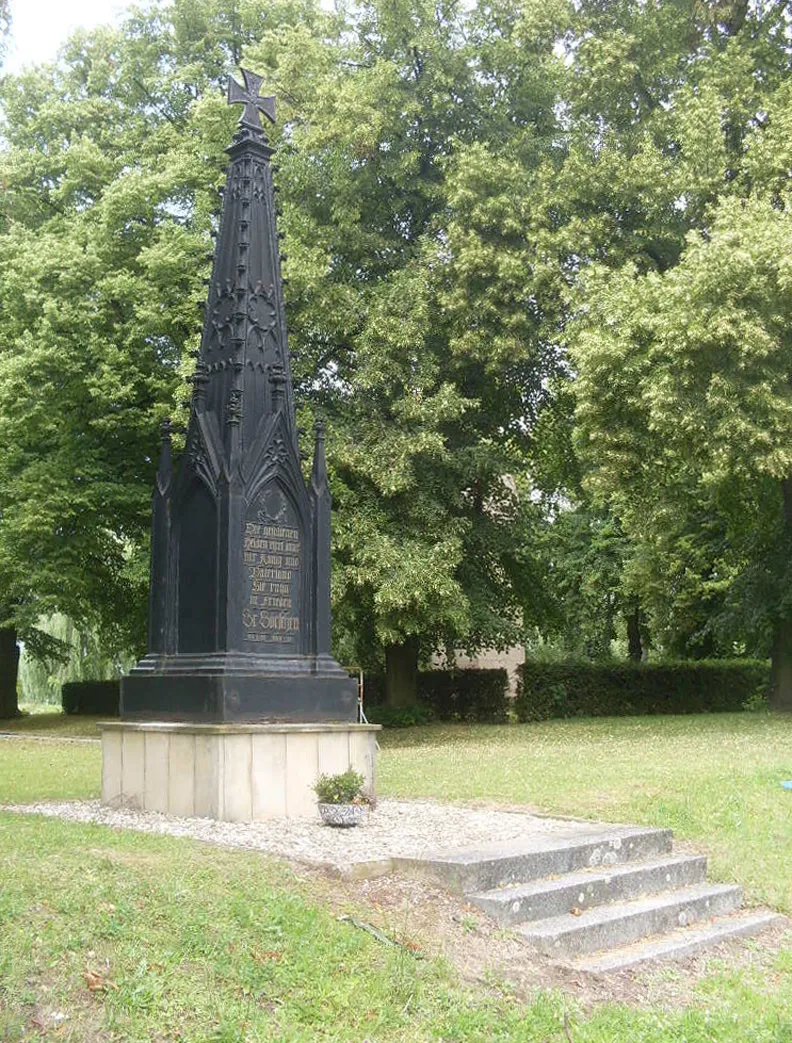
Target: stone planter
{"points": [[343, 815]]}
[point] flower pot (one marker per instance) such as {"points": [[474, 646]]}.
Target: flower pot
{"points": [[343, 814]]}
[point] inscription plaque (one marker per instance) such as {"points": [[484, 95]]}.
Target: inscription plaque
{"points": [[273, 571]]}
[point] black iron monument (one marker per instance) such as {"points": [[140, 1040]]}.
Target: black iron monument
{"points": [[239, 624]]}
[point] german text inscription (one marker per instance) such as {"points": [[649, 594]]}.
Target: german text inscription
{"points": [[273, 568]]}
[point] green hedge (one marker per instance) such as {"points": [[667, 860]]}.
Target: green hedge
{"points": [[443, 695], [547, 690], [95, 697]]}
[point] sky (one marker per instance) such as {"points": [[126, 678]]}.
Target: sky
{"points": [[39, 27]]}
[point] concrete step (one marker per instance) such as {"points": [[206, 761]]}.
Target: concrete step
{"points": [[589, 888], [684, 941], [550, 854], [611, 926]]}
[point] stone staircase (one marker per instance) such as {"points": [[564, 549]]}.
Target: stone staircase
{"points": [[597, 900]]}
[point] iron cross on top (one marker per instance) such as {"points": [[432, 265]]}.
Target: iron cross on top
{"points": [[249, 97]]}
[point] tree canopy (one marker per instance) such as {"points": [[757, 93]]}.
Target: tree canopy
{"points": [[536, 283]]}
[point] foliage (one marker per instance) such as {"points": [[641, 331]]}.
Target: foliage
{"points": [[5, 25], [77, 657], [486, 208], [91, 697], [681, 353], [110, 165], [585, 552], [396, 302], [547, 690], [344, 788], [390, 120]]}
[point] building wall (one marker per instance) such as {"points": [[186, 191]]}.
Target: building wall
{"points": [[488, 659]]}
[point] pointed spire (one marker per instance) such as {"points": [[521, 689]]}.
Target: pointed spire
{"points": [[244, 342]]}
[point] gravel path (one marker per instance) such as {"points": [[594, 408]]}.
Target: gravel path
{"points": [[407, 829]]}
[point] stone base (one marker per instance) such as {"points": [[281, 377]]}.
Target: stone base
{"points": [[231, 772]]}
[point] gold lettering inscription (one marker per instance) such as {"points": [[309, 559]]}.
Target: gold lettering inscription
{"points": [[273, 557]]}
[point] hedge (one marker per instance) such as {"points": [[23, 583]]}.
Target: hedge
{"points": [[95, 697], [443, 695], [546, 690]]}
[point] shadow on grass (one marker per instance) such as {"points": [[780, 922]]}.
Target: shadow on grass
{"points": [[53, 723]]}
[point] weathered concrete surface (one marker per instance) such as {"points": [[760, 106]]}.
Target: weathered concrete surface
{"points": [[585, 845], [621, 923], [229, 772], [541, 899], [684, 941]]}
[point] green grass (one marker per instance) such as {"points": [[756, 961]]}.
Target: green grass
{"points": [[197, 944], [40, 719], [187, 942], [31, 771], [715, 780]]}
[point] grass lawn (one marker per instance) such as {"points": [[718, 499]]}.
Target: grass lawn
{"points": [[714, 779], [41, 719], [138, 937]]}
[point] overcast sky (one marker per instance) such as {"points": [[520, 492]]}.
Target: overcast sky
{"points": [[39, 27]]}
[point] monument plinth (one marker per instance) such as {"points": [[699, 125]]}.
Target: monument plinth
{"points": [[239, 615]]}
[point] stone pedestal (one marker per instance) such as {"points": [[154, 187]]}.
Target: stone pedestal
{"points": [[231, 772]]}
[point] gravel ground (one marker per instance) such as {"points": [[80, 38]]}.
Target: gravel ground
{"points": [[406, 829]]}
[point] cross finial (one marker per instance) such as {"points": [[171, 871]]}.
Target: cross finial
{"points": [[249, 97]]}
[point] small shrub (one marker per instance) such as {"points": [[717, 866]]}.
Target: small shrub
{"points": [[398, 716], [345, 788], [91, 697]]}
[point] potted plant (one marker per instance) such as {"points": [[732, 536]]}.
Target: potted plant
{"points": [[341, 798]]}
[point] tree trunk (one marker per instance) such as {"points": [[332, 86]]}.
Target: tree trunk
{"points": [[781, 654], [401, 673], [9, 669], [634, 643]]}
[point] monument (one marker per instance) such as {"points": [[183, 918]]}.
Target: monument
{"points": [[239, 611]]}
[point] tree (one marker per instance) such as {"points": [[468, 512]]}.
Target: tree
{"points": [[402, 158], [678, 108], [392, 119], [109, 170], [5, 24], [685, 392]]}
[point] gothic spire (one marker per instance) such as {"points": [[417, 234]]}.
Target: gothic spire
{"points": [[244, 341]]}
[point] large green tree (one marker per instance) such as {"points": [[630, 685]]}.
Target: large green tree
{"points": [[682, 357], [414, 307], [109, 169], [686, 404], [676, 109]]}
